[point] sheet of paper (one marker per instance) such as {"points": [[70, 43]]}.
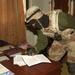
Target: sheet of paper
{"points": [[18, 60], [13, 55], [36, 59], [6, 47], [3, 69], [2, 58]]}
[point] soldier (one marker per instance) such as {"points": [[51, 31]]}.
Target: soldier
{"points": [[57, 25]]}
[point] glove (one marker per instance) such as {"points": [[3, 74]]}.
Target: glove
{"points": [[31, 51], [57, 37]]}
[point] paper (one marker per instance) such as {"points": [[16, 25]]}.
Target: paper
{"points": [[5, 71], [30, 60], [6, 47], [36, 59], [13, 55], [18, 60], [2, 58]]}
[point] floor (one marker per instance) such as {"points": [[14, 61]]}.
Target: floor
{"points": [[65, 69]]}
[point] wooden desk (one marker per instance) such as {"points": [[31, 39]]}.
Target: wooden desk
{"points": [[53, 68]]}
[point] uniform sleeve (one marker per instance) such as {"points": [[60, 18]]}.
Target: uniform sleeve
{"points": [[42, 41], [66, 21]]}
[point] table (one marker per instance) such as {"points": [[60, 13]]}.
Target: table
{"points": [[53, 68]]}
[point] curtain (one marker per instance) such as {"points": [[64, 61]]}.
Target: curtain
{"points": [[12, 26], [61, 4]]}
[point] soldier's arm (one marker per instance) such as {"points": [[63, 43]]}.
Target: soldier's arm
{"points": [[42, 42]]}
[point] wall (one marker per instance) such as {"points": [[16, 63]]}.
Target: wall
{"points": [[43, 4]]}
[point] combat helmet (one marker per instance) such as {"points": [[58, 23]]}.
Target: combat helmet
{"points": [[33, 12]]}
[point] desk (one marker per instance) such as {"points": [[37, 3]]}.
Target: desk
{"points": [[53, 68]]}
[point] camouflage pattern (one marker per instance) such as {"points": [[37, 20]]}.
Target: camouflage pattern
{"points": [[67, 44], [59, 48]]}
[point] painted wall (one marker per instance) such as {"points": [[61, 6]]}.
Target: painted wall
{"points": [[31, 38], [43, 4]]}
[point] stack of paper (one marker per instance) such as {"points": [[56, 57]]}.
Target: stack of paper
{"points": [[2, 58], [30, 60], [18, 60], [6, 47], [5, 71]]}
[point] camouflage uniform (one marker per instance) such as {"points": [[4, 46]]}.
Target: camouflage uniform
{"points": [[59, 48], [67, 44]]}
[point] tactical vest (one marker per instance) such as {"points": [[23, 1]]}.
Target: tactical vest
{"points": [[54, 26]]}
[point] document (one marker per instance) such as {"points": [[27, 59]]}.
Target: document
{"points": [[34, 60], [6, 47], [5, 71], [18, 60], [2, 58]]}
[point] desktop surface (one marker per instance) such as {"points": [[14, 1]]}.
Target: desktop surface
{"points": [[53, 68]]}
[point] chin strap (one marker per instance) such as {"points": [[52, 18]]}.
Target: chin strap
{"points": [[39, 23]]}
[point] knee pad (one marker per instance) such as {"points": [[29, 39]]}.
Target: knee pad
{"points": [[71, 67]]}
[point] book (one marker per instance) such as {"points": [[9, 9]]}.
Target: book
{"points": [[5, 71], [33, 60]]}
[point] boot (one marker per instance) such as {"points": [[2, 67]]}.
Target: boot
{"points": [[71, 68]]}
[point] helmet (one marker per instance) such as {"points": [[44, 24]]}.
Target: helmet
{"points": [[33, 12]]}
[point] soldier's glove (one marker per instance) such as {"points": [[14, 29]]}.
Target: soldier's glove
{"points": [[57, 37], [31, 51]]}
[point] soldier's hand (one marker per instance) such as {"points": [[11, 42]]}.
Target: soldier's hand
{"points": [[31, 51], [57, 37]]}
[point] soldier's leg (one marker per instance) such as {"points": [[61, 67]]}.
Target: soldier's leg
{"points": [[71, 57], [56, 52]]}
